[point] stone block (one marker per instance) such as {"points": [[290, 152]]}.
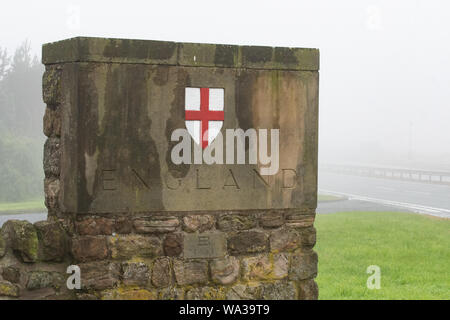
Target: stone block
{"points": [[258, 267], [11, 274], [123, 226], [22, 238], [162, 275], [190, 272], [52, 156], [52, 122], [51, 190], [125, 247], [53, 241], [285, 239], [267, 93], [156, 225], [89, 248], [308, 236], [204, 245], [250, 291], [99, 275], [279, 290], [87, 49], [303, 265], [225, 270], [271, 220], [2, 245], [308, 290], [300, 220], [248, 242], [234, 222], [280, 265], [135, 274], [95, 226], [198, 223], [51, 86], [45, 279], [7, 289], [173, 244]]}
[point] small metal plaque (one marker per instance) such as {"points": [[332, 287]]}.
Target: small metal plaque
{"points": [[204, 245]]}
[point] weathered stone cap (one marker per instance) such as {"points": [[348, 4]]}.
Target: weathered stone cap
{"points": [[84, 49]]}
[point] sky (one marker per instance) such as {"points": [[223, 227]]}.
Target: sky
{"points": [[385, 65]]}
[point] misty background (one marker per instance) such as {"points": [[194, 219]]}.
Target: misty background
{"points": [[384, 75]]}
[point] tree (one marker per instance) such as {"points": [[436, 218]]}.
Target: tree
{"points": [[21, 112], [4, 62], [22, 105]]}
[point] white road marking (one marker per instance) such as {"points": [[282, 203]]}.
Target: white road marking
{"points": [[439, 212], [418, 192], [385, 188]]}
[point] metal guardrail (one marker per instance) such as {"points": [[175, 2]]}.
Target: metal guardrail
{"points": [[438, 177]]}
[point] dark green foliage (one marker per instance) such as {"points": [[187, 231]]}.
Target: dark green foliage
{"points": [[21, 138]]}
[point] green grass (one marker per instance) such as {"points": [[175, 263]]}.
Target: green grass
{"points": [[413, 252], [24, 206], [327, 197]]}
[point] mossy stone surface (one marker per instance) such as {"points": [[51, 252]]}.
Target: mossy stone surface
{"points": [[86, 49], [8, 289], [2, 246], [22, 237]]}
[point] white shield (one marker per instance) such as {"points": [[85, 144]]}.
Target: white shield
{"points": [[204, 114]]}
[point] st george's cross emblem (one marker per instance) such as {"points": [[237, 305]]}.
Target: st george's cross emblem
{"points": [[204, 114]]}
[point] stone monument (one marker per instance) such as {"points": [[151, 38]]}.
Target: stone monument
{"points": [[177, 171]]}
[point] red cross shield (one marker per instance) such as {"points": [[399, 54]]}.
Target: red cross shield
{"points": [[204, 114]]}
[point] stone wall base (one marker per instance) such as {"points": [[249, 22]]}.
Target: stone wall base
{"points": [[266, 255]]}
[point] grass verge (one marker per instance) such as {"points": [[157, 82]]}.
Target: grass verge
{"points": [[24, 206], [327, 197], [413, 252]]}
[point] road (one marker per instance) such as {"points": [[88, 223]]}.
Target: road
{"points": [[31, 217], [433, 199]]}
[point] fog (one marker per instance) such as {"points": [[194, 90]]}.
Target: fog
{"points": [[385, 65]]}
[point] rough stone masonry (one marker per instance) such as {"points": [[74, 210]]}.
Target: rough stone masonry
{"points": [[140, 226]]}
